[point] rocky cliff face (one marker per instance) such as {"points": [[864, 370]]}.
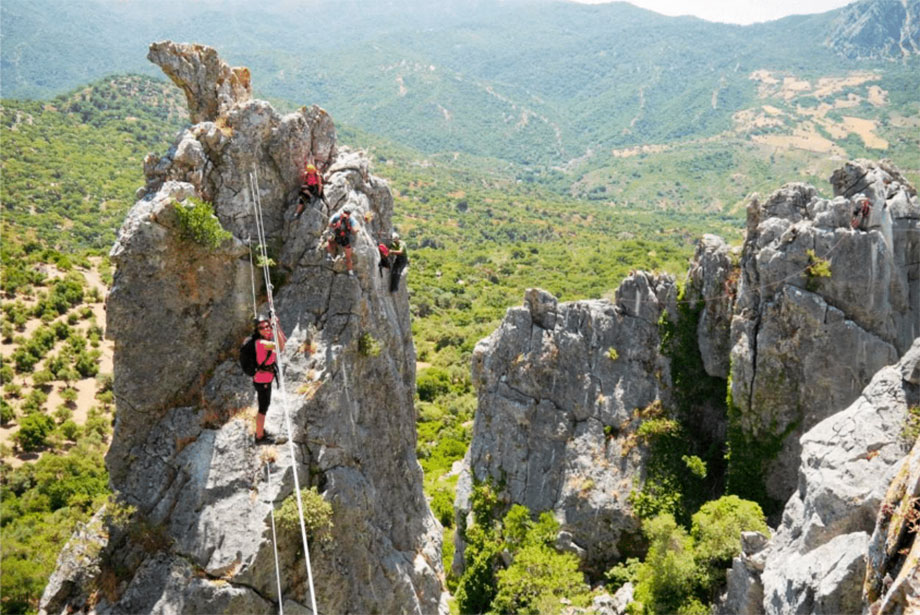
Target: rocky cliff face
{"points": [[561, 389], [821, 307], [845, 535], [183, 452]]}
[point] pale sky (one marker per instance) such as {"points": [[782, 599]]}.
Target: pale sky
{"points": [[735, 11]]}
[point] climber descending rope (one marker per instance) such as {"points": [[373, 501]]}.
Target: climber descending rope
{"points": [[263, 258]]}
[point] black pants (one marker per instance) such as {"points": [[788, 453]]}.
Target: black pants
{"points": [[398, 265], [309, 193], [264, 391]]}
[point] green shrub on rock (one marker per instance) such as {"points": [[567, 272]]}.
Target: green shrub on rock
{"points": [[317, 514], [716, 532], [198, 223]]}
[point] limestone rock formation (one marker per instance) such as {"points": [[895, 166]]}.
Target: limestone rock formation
{"points": [[892, 584], [712, 280], [821, 307], [560, 390], [817, 560], [183, 454], [211, 87]]}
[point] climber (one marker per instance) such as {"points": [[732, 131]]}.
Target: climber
{"points": [[311, 187], [266, 359], [861, 213], [342, 227], [383, 252], [400, 260]]}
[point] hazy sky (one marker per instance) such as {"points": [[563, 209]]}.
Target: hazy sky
{"points": [[736, 11]]}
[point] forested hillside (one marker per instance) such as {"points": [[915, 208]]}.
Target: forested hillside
{"points": [[542, 85]]}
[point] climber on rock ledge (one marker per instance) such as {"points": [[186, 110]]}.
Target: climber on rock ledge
{"points": [[266, 360], [342, 227]]}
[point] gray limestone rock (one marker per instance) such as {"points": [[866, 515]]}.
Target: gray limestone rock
{"points": [[561, 387], [712, 280], [805, 344], [892, 584], [211, 87], [817, 559], [183, 454]]}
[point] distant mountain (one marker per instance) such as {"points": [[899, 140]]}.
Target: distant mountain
{"points": [[540, 84], [877, 30]]}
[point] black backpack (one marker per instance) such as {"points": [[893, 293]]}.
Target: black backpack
{"points": [[248, 356]]}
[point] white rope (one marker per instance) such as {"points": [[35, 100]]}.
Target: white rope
{"points": [[268, 479], [260, 227], [252, 277]]}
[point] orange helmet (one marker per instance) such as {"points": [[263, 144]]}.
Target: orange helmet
{"points": [[310, 167]]}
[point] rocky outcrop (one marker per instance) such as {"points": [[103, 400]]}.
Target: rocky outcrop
{"points": [[877, 29], [211, 87], [561, 388], [817, 560], [892, 582], [183, 455], [821, 307], [711, 282]]}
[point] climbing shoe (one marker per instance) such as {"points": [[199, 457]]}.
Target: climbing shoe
{"points": [[351, 273]]}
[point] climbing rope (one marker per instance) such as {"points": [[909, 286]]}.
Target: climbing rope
{"points": [[260, 227], [252, 276], [268, 479]]}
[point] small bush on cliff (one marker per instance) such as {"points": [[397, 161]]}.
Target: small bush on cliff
{"points": [[198, 223], [910, 431], [538, 575], [817, 268], [668, 576], [368, 346], [317, 514]]}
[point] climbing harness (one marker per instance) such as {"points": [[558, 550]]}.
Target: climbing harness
{"points": [[260, 228], [268, 479]]}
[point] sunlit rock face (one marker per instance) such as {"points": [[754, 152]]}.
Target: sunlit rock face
{"points": [[562, 387], [821, 306]]}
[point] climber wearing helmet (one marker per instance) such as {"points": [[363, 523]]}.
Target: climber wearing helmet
{"points": [[342, 227], [266, 359], [400, 260], [311, 187]]}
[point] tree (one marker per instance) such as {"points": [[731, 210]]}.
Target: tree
{"points": [[716, 531], [668, 576], [33, 429]]}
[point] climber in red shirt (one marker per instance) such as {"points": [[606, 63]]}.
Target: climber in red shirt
{"points": [[266, 359], [311, 187]]}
